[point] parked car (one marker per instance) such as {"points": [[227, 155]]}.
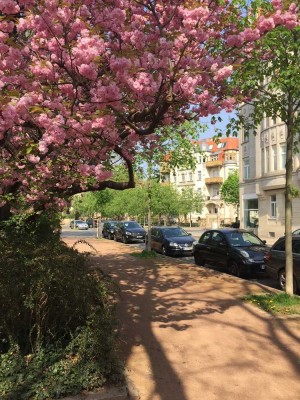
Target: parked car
{"points": [[81, 225], [236, 250], [129, 231], [90, 222], [172, 241], [108, 229], [296, 232], [275, 261]]}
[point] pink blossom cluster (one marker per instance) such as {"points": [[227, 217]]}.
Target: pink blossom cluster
{"points": [[84, 82]]}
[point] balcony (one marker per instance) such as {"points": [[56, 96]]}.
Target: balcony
{"points": [[213, 180], [212, 164]]}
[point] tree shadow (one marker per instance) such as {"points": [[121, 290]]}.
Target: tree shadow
{"points": [[162, 294]]}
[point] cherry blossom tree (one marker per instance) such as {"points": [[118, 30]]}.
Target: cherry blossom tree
{"points": [[84, 81]]}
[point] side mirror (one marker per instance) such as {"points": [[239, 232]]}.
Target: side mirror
{"points": [[264, 242], [189, 234]]}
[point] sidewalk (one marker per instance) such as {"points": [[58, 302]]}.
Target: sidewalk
{"points": [[185, 335]]}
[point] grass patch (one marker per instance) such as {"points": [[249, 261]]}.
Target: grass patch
{"points": [[276, 303], [144, 254]]}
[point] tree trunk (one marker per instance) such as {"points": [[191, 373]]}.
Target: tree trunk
{"points": [[149, 205], [5, 212], [99, 227], [288, 210]]}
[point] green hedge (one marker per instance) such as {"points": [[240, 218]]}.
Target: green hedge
{"points": [[57, 331]]}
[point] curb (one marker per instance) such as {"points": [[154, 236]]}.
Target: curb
{"points": [[126, 392], [112, 393]]}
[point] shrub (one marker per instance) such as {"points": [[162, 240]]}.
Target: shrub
{"points": [[57, 331]]}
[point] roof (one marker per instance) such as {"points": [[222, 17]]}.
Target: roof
{"points": [[231, 143]]}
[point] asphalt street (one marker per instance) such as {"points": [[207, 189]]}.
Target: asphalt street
{"points": [[196, 232]]}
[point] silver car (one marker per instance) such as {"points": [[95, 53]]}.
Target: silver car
{"points": [[81, 225]]}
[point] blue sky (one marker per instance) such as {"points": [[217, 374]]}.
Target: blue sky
{"points": [[211, 130]]}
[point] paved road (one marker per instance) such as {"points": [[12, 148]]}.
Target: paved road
{"points": [[196, 232]]}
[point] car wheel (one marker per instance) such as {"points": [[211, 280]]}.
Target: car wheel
{"points": [[235, 269], [198, 259], [282, 281], [116, 238], [124, 239]]}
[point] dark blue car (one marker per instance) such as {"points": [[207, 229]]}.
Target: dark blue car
{"points": [[171, 241]]}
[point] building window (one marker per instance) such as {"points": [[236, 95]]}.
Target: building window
{"points": [[190, 176], [199, 175], [267, 169], [251, 213], [182, 178], [246, 168], [274, 151], [274, 120], [273, 206], [283, 155], [262, 161]]}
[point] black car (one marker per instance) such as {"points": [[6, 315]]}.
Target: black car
{"points": [[275, 262], [171, 241], [236, 250], [108, 229], [129, 231], [90, 222]]}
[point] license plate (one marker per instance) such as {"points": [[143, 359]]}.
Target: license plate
{"points": [[188, 248], [139, 237]]}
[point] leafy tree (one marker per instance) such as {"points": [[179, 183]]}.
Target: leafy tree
{"points": [[190, 201], [84, 82], [230, 190], [271, 79]]}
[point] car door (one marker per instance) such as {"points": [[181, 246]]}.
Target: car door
{"points": [[296, 260], [218, 250], [278, 255], [203, 247], [154, 239]]}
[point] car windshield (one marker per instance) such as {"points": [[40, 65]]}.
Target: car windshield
{"points": [[243, 239], [111, 224], [131, 225], [174, 232]]}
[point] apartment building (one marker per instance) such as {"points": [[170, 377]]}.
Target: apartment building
{"points": [[262, 178], [215, 161]]}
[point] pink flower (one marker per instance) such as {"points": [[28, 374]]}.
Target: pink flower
{"points": [[9, 7], [33, 159], [223, 73], [88, 71], [266, 24], [251, 34], [235, 40]]}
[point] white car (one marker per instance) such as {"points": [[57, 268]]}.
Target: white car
{"points": [[81, 225]]}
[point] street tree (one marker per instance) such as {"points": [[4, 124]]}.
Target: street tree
{"points": [[190, 201], [270, 78], [83, 82], [230, 190]]}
